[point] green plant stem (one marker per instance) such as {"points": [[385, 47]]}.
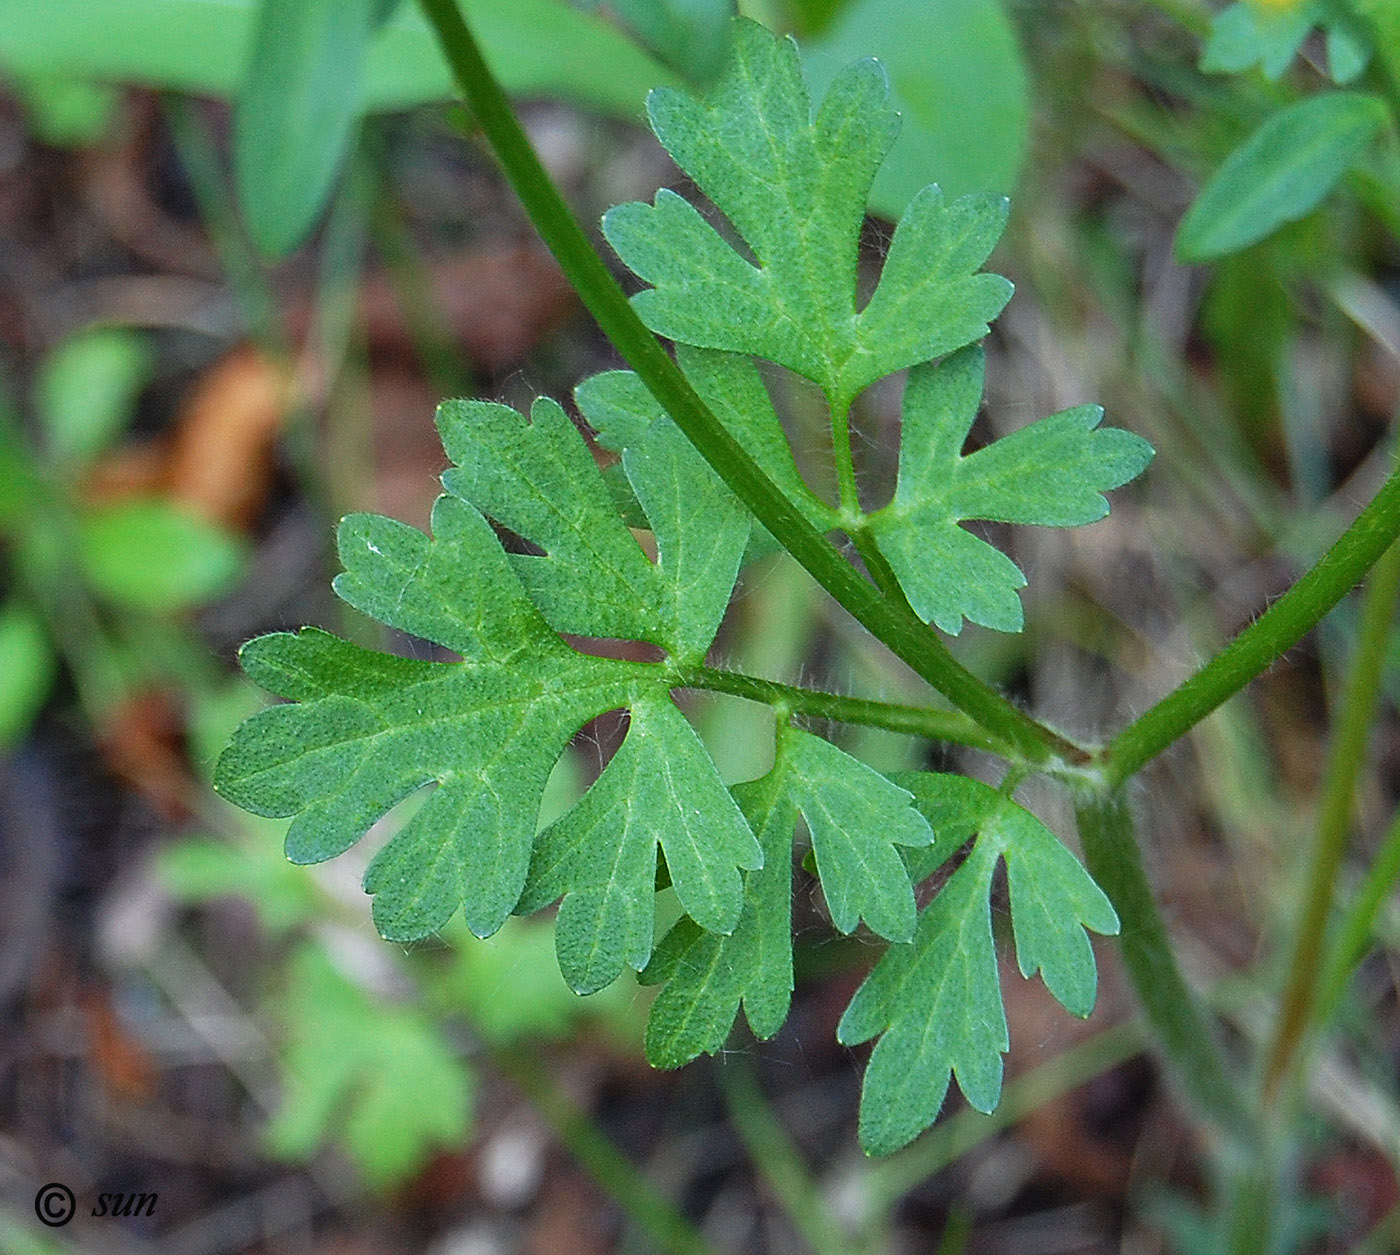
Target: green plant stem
{"points": [[904, 634], [666, 1229], [1277, 630], [1179, 1025], [1353, 936], [778, 1163], [925, 721], [1345, 759], [848, 494]]}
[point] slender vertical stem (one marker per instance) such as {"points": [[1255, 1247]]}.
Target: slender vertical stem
{"points": [[1182, 1032], [904, 634], [1277, 630], [1354, 933], [665, 1227], [779, 1164], [1345, 759]]}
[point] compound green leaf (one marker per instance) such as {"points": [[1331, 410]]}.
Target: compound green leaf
{"points": [[1281, 172], [619, 407], [936, 1002], [539, 479], [369, 729], [795, 188], [859, 822], [1052, 472], [660, 788], [377, 1079], [707, 975], [856, 818], [701, 531], [1050, 893]]}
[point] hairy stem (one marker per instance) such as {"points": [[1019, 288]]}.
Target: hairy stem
{"points": [[925, 721], [1179, 1025], [1277, 630], [903, 633], [1346, 757]]}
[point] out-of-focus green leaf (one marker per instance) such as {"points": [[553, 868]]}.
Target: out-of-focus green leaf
{"points": [[537, 47], [20, 487], [298, 106], [26, 670], [1281, 172], [198, 869], [376, 1078], [948, 62], [86, 389], [151, 554], [511, 990], [1244, 35], [66, 112], [691, 36], [1247, 34]]}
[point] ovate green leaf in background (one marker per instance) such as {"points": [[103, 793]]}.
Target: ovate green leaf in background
{"points": [[1283, 171], [691, 36], [1052, 472], [936, 1002], [87, 389], [65, 111], [536, 47], [1246, 34], [27, 668], [154, 554], [948, 61], [296, 110], [377, 1079]]}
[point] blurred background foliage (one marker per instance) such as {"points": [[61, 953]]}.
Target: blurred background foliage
{"points": [[249, 245]]}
